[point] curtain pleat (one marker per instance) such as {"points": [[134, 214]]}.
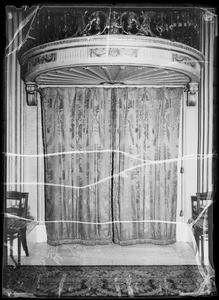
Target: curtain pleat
{"points": [[130, 186], [147, 122], [75, 119]]}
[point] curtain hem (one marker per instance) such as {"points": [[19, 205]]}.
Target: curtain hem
{"points": [[109, 241], [145, 241], [79, 241]]}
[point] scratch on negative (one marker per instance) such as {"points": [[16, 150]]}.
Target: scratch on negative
{"points": [[61, 284], [117, 287]]}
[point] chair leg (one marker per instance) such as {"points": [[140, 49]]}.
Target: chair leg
{"points": [[11, 251], [11, 246], [202, 248], [24, 241], [196, 238], [19, 249]]}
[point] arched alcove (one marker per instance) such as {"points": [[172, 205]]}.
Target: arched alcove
{"points": [[114, 61]]}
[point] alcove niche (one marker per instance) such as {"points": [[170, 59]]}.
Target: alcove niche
{"points": [[115, 60]]}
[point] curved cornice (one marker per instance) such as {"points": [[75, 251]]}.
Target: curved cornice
{"points": [[111, 59], [139, 41]]}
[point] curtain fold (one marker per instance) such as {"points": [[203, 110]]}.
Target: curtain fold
{"points": [[119, 187], [76, 119], [147, 122]]}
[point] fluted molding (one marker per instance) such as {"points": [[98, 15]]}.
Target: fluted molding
{"points": [[205, 105]]}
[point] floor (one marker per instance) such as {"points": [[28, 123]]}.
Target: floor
{"points": [[146, 254]]}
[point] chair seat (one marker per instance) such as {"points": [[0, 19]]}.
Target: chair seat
{"points": [[14, 224], [201, 225]]}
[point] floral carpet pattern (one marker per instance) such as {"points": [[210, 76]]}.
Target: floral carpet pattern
{"points": [[101, 281]]}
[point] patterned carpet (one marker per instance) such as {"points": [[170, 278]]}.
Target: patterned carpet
{"points": [[97, 281]]}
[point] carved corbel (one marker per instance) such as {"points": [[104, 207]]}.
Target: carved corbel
{"points": [[31, 89], [192, 94]]}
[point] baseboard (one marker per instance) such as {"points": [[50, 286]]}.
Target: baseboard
{"points": [[38, 234], [182, 232]]}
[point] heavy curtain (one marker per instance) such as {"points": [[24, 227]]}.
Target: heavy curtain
{"points": [[110, 164], [147, 125], [76, 119]]}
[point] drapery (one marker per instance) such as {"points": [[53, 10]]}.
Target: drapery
{"points": [[121, 187], [148, 129], [76, 119]]}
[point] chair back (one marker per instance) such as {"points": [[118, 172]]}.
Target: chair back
{"points": [[203, 199], [17, 203], [199, 202]]}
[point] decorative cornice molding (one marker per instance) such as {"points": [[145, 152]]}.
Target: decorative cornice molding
{"points": [[114, 52], [85, 41], [47, 64], [184, 60], [41, 59]]}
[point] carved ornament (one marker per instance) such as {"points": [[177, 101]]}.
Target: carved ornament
{"points": [[41, 59], [192, 94], [114, 52], [171, 23], [31, 89], [184, 60]]}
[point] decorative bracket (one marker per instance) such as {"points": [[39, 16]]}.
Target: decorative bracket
{"points": [[192, 95], [31, 89]]}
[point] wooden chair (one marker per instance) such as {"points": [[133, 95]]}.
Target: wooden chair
{"points": [[16, 226], [199, 202]]}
